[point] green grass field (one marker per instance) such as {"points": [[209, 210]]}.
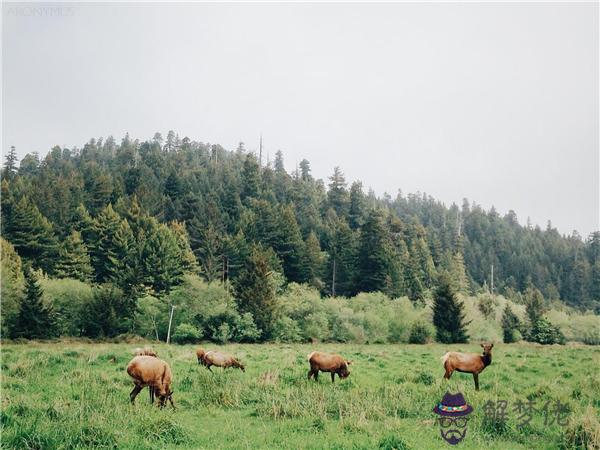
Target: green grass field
{"points": [[76, 395]]}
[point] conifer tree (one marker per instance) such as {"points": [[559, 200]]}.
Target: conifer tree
{"points": [[448, 314], [250, 178], [358, 207], [337, 196], [73, 259], [189, 263], [102, 246], [35, 319], [312, 266], [534, 305], [374, 256], [255, 291], [341, 266], [10, 163], [161, 259], [32, 235], [510, 324]]}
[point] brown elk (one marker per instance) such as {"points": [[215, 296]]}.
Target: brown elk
{"points": [[146, 351], [468, 363], [218, 359], [154, 373], [326, 362]]}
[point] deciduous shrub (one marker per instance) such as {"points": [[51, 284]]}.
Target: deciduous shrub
{"points": [[186, 333]]}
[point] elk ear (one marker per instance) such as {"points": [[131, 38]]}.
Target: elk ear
{"points": [[491, 345]]}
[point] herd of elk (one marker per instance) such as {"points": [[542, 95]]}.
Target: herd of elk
{"points": [[147, 369]]}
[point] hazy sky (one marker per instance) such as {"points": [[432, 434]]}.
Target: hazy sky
{"points": [[497, 103]]}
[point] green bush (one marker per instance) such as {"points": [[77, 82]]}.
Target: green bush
{"points": [[287, 330], [69, 298], [186, 333], [420, 333], [246, 330], [544, 332]]}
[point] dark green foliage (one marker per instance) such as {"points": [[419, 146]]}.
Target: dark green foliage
{"points": [[256, 291], [111, 193], [108, 314], [419, 333], [448, 314], [74, 260], [534, 304], [543, 332], [374, 256], [31, 234], [337, 195], [510, 325], [35, 319], [10, 163]]}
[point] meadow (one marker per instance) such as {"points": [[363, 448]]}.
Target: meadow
{"points": [[75, 395]]}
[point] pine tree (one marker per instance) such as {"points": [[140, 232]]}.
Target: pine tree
{"points": [[358, 207], [305, 170], [534, 305], [448, 314], [343, 256], [10, 163], [255, 291], [73, 259], [312, 266], [32, 235], [102, 246], [459, 273], [337, 196], [250, 178], [374, 256], [510, 324], [161, 259], [186, 255], [36, 318]]}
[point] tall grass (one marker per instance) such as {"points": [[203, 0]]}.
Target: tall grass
{"points": [[75, 395]]}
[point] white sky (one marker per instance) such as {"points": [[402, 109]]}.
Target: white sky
{"points": [[497, 103]]}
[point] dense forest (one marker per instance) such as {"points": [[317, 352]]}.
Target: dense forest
{"points": [[140, 215]]}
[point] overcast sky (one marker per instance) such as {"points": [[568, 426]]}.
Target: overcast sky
{"points": [[497, 103]]}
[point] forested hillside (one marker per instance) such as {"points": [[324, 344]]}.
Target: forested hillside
{"points": [[139, 215]]}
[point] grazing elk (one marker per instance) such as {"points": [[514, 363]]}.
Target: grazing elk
{"points": [[218, 359], [468, 363], [146, 351], [328, 362], [154, 373]]}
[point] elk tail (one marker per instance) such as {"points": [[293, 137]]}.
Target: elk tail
{"points": [[445, 358]]}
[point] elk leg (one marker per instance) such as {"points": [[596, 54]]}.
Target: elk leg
{"points": [[448, 374], [208, 367], [171, 400], [151, 391], [332, 377], [133, 394], [316, 375], [476, 379], [310, 373]]}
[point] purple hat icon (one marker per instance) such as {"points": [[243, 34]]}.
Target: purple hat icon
{"points": [[453, 405]]}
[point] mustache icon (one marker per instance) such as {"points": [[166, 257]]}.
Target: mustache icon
{"points": [[453, 436]]}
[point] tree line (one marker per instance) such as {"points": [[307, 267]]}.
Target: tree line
{"points": [[140, 215]]}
